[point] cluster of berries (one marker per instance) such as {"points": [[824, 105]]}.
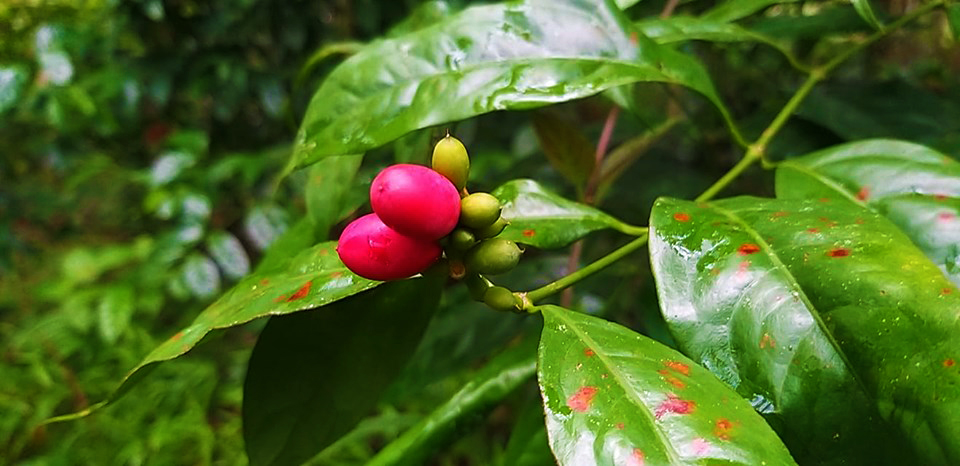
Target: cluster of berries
{"points": [[420, 214]]}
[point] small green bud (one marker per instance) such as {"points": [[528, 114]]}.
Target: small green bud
{"points": [[477, 285], [493, 256], [461, 240], [450, 159], [492, 230], [479, 210], [502, 299]]}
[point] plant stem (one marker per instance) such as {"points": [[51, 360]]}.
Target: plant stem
{"points": [[755, 151], [599, 264]]}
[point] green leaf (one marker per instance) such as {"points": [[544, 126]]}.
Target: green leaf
{"points": [[311, 279], [229, 254], [866, 12], [528, 444], [294, 240], [613, 396], [914, 186], [824, 315], [732, 10], [314, 375], [13, 79], [328, 181], [507, 56], [953, 18], [114, 312], [676, 29], [545, 220], [567, 149], [489, 386]]}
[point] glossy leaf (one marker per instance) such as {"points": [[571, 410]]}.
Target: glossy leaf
{"points": [[613, 396], [489, 386], [866, 12], [545, 220], [675, 29], [824, 315], [914, 186], [314, 375], [328, 182], [732, 10], [507, 56], [313, 278]]}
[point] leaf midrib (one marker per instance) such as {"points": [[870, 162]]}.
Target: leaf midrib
{"points": [[560, 313], [789, 278]]}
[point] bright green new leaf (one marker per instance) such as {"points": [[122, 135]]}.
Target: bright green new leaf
{"points": [[615, 397], [914, 186], [545, 220], [313, 278], [823, 314], [490, 385], [314, 375], [507, 56]]}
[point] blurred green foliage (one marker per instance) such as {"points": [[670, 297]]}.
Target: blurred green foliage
{"points": [[141, 150]]}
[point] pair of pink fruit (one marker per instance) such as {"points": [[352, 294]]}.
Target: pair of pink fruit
{"points": [[413, 207]]}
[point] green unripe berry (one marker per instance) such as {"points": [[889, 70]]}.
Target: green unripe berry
{"points": [[493, 256], [502, 299], [479, 210], [462, 240], [492, 230], [477, 285], [450, 160]]}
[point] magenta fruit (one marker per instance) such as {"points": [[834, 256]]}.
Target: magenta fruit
{"points": [[416, 201], [375, 251]]}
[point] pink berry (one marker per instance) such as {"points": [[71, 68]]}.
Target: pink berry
{"points": [[415, 201], [373, 250]]}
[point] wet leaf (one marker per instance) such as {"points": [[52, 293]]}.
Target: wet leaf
{"points": [[505, 56], [311, 279], [314, 375], [676, 29], [613, 396], [489, 386], [914, 186], [545, 220], [229, 254], [565, 146], [823, 314]]}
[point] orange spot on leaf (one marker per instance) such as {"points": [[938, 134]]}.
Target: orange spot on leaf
{"points": [[675, 405], [264, 282], [949, 362], [779, 214], [946, 291], [620, 426], [863, 194], [681, 217], [838, 252], [747, 249], [337, 274], [529, 233], [280, 298], [177, 337], [678, 366], [813, 230], [722, 429], [580, 401], [824, 199], [302, 292], [637, 458], [588, 352], [767, 342]]}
